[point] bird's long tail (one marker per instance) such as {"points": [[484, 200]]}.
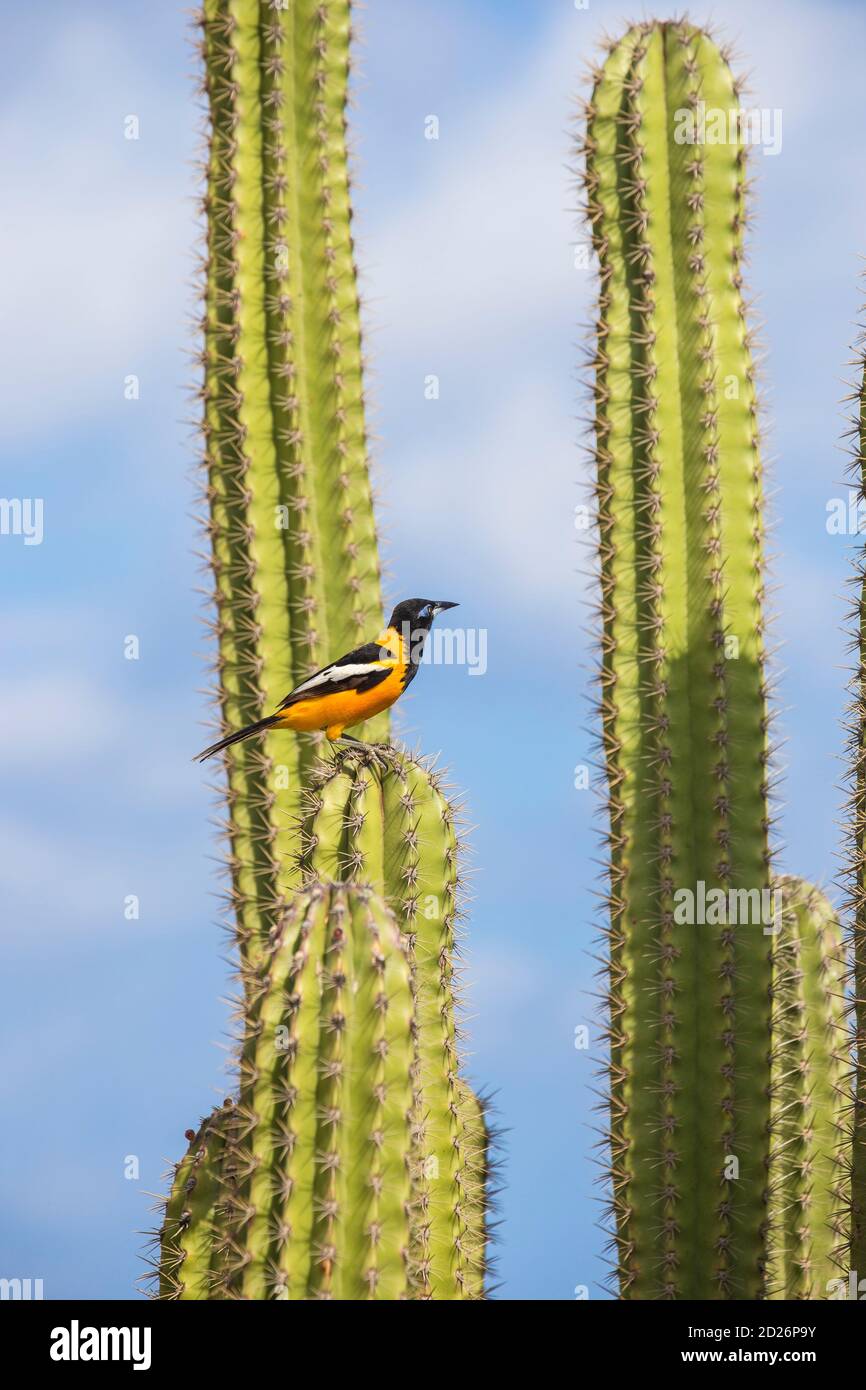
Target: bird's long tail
{"points": [[237, 737]]}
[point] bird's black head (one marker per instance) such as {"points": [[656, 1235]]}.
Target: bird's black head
{"points": [[413, 619], [417, 613]]}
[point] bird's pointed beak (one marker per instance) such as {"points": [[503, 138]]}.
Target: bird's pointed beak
{"points": [[440, 605]]}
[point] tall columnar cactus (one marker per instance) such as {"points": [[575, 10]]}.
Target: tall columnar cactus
{"points": [[316, 1181], [809, 1209], [296, 581], [683, 697], [289, 513]]}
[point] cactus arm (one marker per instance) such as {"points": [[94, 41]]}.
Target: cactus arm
{"points": [[686, 1001], [251, 870], [810, 1095], [332, 386], [677, 657], [253, 252], [286, 481]]}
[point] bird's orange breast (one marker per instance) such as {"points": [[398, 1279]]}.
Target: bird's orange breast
{"points": [[343, 708]]}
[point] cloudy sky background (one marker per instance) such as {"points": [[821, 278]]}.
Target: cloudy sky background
{"points": [[111, 1029]]}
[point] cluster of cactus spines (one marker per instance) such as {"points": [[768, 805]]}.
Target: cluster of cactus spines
{"points": [[391, 826], [290, 520], [682, 689], [307, 1177], [810, 1096]]}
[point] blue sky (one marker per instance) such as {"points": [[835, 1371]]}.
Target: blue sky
{"points": [[111, 1029]]}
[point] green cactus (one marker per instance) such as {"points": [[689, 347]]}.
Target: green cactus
{"points": [[292, 536], [296, 579], [390, 825], [319, 1180], [303, 1187], [809, 1209], [683, 695]]}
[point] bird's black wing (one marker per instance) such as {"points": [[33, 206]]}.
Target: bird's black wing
{"points": [[358, 670]]}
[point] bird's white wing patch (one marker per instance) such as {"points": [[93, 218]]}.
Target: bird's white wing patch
{"points": [[333, 674]]}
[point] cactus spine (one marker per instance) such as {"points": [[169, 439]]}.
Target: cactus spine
{"points": [[810, 1096], [290, 518], [683, 700]]}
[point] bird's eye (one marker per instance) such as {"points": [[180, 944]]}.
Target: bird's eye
{"points": [[424, 612]]}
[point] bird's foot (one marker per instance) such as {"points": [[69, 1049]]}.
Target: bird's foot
{"points": [[383, 753]]}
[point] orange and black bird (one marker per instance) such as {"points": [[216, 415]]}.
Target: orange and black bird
{"points": [[362, 683]]}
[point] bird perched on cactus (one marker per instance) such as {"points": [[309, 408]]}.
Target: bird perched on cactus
{"points": [[360, 684]]}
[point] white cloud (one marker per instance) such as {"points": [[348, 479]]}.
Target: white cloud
{"points": [[57, 714], [483, 250], [59, 878], [58, 881], [96, 230], [499, 496], [485, 246], [49, 721]]}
